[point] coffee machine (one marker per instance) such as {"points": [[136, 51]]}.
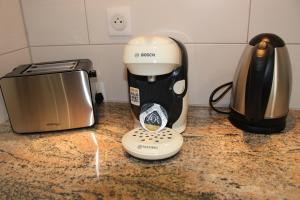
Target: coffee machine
{"points": [[157, 84]]}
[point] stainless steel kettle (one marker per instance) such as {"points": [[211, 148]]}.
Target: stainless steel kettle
{"points": [[261, 86]]}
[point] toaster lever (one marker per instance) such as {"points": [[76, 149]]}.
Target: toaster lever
{"points": [[92, 73]]}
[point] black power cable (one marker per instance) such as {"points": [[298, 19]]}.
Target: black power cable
{"points": [[213, 101]]}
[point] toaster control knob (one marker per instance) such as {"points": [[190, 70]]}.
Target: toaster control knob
{"points": [[179, 87], [92, 73]]}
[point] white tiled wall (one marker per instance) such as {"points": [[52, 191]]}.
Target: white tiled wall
{"points": [[13, 42], [55, 22], [207, 21], [276, 16], [12, 32], [214, 31]]}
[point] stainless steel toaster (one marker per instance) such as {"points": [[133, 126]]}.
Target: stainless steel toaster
{"points": [[50, 96]]}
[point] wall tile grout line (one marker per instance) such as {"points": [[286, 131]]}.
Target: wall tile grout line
{"points": [[249, 19], [86, 21], [214, 43], [116, 44], [292, 43], [103, 44], [13, 51], [60, 45], [26, 31]]}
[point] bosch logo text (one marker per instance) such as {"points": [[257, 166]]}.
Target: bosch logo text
{"points": [[147, 54]]}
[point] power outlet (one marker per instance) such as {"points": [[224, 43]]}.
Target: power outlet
{"points": [[119, 21]]}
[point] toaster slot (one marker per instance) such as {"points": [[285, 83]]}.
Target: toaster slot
{"points": [[50, 67]]}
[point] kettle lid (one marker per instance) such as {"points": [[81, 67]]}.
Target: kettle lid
{"points": [[273, 39]]}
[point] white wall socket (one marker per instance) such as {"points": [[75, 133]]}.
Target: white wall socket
{"points": [[119, 21]]}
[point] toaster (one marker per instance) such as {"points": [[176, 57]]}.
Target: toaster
{"points": [[50, 96]]}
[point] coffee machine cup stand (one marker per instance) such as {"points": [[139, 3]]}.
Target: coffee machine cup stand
{"points": [[157, 81]]}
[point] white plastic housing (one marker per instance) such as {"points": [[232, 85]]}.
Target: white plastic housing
{"points": [[152, 55], [152, 146], [119, 21]]}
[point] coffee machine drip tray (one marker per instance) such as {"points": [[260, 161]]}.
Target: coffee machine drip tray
{"points": [[152, 145]]}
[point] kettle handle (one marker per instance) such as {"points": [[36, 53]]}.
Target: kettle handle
{"points": [[259, 81]]}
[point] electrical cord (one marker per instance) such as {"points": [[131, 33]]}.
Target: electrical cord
{"points": [[213, 101], [99, 98]]}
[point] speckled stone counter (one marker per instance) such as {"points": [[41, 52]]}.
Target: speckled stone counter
{"points": [[217, 161]]}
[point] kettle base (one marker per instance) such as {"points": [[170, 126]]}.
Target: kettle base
{"points": [[265, 126]]}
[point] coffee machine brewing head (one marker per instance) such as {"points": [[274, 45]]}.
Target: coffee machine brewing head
{"points": [[151, 56]]}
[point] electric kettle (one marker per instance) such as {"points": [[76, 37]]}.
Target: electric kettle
{"points": [[261, 87]]}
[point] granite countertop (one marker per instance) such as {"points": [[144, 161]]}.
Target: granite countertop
{"points": [[217, 161]]}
